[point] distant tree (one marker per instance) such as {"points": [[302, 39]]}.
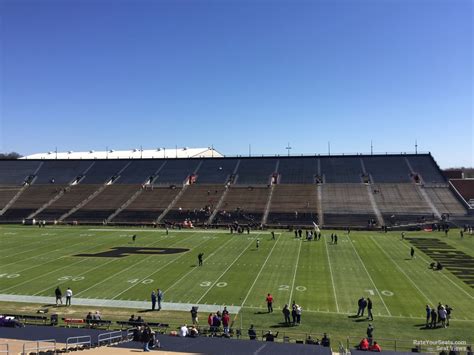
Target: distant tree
{"points": [[11, 155]]}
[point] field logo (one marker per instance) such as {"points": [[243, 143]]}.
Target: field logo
{"points": [[120, 252]]}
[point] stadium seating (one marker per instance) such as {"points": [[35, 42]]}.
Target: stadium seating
{"points": [[390, 168], [275, 190], [298, 171], [425, 166], [341, 169], [256, 171]]}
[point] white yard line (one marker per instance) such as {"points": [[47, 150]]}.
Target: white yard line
{"points": [[370, 277], [190, 271], [332, 276], [258, 275], [454, 283], [225, 271], [296, 269], [403, 272]]}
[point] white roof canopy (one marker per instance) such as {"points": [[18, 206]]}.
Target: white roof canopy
{"points": [[131, 154]]}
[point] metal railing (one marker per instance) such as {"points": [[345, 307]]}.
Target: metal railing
{"points": [[39, 345], [74, 342], [109, 338]]}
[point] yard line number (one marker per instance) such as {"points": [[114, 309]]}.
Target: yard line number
{"points": [[209, 283], [384, 292], [145, 282], [9, 276], [287, 288], [71, 278]]}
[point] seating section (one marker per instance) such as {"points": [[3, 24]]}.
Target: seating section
{"points": [[243, 185], [400, 198], [15, 172], [104, 204], [175, 172], [341, 169], [103, 171], [445, 201], [148, 206], [244, 205], [390, 168], [73, 195], [300, 171], [294, 205], [139, 171], [61, 172], [256, 171], [217, 170], [7, 192], [196, 204], [427, 168], [346, 198]]}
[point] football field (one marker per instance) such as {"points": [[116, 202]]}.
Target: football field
{"points": [[105, 267]]}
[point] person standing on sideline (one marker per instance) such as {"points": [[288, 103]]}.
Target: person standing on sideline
{"points": [[159, 296], [335, 238], [59, 296], [293, 312], [286, 314], [369, 309], [200, 255], [68, 296], [153, 300], [370, 333], [412, 252], [269, 300], [258, 243], [428, 315], [134, 237], [273, 235]]}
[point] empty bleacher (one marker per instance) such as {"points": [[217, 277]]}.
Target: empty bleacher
{"points": [[103, 170], [244, 205], [175, 172], [341, 169], [298, 171], [465, 188], [148, 206], [256, 171], [61, 172], [445, 201], [73, 195], [425, 166], [139, 171], [215, 171], [7, 192], [390, 168], [104, 204], [294, 204], [15, 172]]}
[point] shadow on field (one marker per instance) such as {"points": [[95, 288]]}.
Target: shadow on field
{"points": [[281, 325], [354, 316], [261, 312]]}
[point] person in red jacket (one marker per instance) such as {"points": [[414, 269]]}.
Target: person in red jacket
{"points": [[209, 320], [375, 347], [269, 303], [226, 322], [364, 344]]}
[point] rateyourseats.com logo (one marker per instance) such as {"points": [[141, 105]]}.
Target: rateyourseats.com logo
{"points": [[440, 345]]}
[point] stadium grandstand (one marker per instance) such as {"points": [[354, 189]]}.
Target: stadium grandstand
{"points": [[200, 185]]}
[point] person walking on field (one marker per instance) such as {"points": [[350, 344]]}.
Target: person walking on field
{"points": [[153, 300], [159, 298], [369, 309], [412, 252], [269, 300], [59, 296], [68, 296]]}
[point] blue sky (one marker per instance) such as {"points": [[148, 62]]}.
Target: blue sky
{"points": [[90, 74]]}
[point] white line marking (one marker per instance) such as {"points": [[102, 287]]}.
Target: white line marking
{"points": [[370, 278], [258, 275], [296, 269], [225, 271], [403, 272], [330, 270]]}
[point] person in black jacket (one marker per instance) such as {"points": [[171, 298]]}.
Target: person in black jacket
{"points": [[270, 336], [59, 296], [146, 337], [252, 333]]}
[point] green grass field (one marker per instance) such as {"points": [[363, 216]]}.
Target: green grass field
{"points": [[325, 279]]}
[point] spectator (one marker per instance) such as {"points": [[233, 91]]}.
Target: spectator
{"points": [[193, 332], [183, 331], [364, 344], [270, 336], [325, 340], [252, 333], [194, 315], [370, 333], [225, 322], [68, 296], [286, 314], [298, 314], [59, 296], [146, 337], [132, 319], [375, 347]]}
